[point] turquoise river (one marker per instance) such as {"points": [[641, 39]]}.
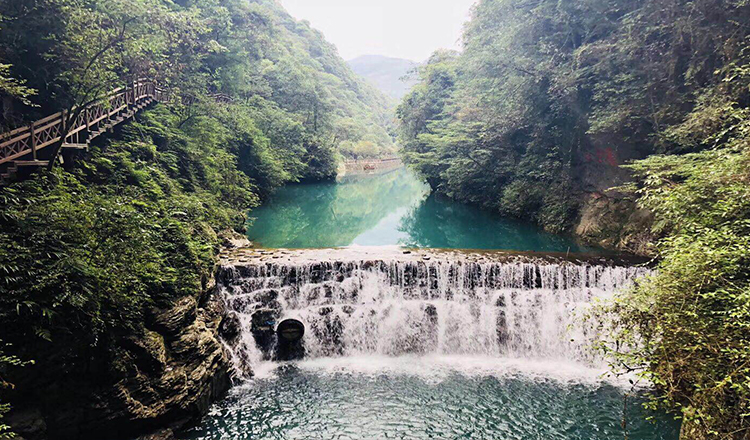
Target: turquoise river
{"points": [[393, 208], [383, 363]]}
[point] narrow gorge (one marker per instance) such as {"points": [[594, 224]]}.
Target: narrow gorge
{"points": [[499, 219]]}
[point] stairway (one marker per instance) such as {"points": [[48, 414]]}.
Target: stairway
{"points": [[26, 150], [22, 168]]}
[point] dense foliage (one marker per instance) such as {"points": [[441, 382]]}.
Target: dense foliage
{"points": [[258, 100], [550, 98], [139, 216], [84, 251], [277, 71], [691, 322], [7, 361]]}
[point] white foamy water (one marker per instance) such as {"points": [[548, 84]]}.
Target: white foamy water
{"points": [[430, 318], [438, 368]]}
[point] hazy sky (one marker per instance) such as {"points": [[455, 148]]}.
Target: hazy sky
{"points": [[410, 29]]}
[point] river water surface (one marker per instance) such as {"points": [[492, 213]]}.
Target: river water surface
{"points": [[430, 398], [423, 349], [394, 208]]}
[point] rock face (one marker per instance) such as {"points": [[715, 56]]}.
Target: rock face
{"points": [[615, 223], [608, 217], [164, 376], [230, 327]]}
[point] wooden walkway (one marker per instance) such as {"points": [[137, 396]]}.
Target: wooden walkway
{"points": [[27, 148], [371, 166]]}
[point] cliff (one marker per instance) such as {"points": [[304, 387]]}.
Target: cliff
{"points": [[165, 374]]}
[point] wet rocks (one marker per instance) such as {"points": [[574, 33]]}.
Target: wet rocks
{"points": [[329, 329], [165, 434], [391, 302], [173, 320], [502, 327], [166, 373], [230, 327]]}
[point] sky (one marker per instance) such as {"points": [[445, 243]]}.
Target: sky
{"points": [[410, 29]]}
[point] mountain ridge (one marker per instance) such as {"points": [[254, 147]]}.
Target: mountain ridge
{"points": [[388, 74]]}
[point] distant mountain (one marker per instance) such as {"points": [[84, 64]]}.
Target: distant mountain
{"points": [[385, 73]]}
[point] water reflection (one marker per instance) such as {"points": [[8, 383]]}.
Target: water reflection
{"points": [[389, 209], [335, 214]]}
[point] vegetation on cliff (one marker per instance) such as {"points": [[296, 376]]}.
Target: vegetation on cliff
{"points": [[282, 73], [688, 328], [548, 99], [88, 249], [540, 111]]}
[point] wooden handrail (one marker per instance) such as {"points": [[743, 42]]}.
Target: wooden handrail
{"points": [[372, 161], [28, 140]]}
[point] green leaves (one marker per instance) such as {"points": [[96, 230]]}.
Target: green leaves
{"points": [[13, 87], [534, 119], [695, 333], [259, 101], [86, 252], [7, 362]]}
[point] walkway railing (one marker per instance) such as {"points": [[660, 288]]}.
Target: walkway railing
{"points": [[386, 160], [119, 105]]}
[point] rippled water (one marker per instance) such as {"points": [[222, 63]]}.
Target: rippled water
{"points": [[420, 350], [420, 398]]}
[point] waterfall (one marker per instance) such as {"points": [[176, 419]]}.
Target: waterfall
{"points": [[527, 308]]}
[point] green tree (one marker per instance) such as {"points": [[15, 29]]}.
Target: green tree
{"points": [[548, 99], [87, 250], [6, 361]]}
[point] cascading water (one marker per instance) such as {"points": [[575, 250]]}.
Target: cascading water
{"points": [[524, 308], [422, 345]]}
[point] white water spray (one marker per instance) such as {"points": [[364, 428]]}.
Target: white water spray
{"points": [[527, 310]]}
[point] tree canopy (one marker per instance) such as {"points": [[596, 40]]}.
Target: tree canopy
{"points": [[555, 104], [258, 100], [548, 99]]}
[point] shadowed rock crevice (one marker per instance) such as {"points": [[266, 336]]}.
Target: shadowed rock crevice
{"points": [[167, 374]]}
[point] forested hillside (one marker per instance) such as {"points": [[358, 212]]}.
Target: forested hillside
{"points": [[537, 118], [277, 70], [548, 100], [106, 261]]}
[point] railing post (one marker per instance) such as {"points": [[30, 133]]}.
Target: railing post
{"points": [[33, 140], [63, 126]]}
